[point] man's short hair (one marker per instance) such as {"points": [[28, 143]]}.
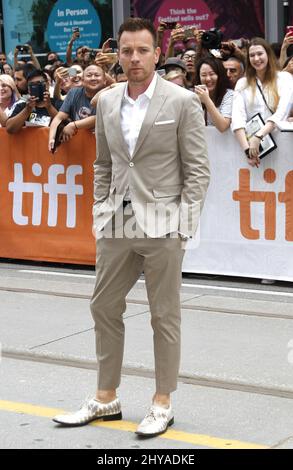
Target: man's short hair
{"points": [[27, 69], [236, 59], [37, 73], [138, 24], [94, 65]]}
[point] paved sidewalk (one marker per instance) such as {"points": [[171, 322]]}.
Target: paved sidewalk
{"points": [[236, 381], [230, 339]]}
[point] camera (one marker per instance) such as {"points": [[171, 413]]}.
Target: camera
{"points": [[22, 48], [212, 39], [93, 53], [37, 90], [171, 24]]}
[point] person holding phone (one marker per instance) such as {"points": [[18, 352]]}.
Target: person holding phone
{"points": [[176, 45], [81, 56], [75, 73], [38, 110], [287, 46], [26, 49], [77, 106], [63, 83], [214, 91], [263, 90]]}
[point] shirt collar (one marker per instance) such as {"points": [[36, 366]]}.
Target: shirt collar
{"points": [[148, 93]]}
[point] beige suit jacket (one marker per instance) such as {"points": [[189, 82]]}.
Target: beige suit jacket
{"points": [[168, 173]]}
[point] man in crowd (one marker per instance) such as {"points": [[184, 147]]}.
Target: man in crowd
{"points": [[20, 77], [77, 105], [151, 160], [235, 69], [82, 52], [37, 110]]}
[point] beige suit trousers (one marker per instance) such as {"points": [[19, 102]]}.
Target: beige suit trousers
{"points": [[119, 264]]}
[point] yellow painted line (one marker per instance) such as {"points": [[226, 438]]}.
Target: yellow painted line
{"points": [[173, 435]]}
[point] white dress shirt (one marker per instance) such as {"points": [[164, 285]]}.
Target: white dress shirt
{"points": [[132, 115], [245, 105]]}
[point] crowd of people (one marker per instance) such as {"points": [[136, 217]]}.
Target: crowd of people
{"points": [[233, 80]]}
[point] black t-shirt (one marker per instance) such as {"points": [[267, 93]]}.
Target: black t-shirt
{"points": [[38, 116]]}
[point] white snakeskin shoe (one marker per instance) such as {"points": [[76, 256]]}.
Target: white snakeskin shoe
{"points": [[156, 421], [90, 411]]}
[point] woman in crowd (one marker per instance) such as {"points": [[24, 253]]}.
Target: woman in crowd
{"points": [[264, 90], [9, 97], [176, 77], [7, 69], [75, 75], [62, 83], [214, 91]]}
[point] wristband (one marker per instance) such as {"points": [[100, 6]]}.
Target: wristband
{"points": [[75, 125], [260, 137]]}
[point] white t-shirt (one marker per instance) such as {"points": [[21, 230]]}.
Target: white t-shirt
{"points": [[245, 105], [225, 107]]}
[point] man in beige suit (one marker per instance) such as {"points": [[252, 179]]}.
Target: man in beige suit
{"points": [[151, 176]]}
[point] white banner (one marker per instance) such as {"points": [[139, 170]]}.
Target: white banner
{"points": [[247, 221]]}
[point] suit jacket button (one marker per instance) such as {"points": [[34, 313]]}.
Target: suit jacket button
{"points": [[131, 164]]}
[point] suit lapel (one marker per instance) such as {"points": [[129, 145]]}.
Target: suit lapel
{"points": [[155, 105], [115, 117]]}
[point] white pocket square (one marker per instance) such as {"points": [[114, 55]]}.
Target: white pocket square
{"points": [[161, 123]]}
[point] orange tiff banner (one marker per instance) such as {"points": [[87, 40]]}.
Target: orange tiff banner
{"points": [[46, 200]]}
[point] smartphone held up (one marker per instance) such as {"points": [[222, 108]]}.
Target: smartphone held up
{"points": [[37, 89], [76, 31]]}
